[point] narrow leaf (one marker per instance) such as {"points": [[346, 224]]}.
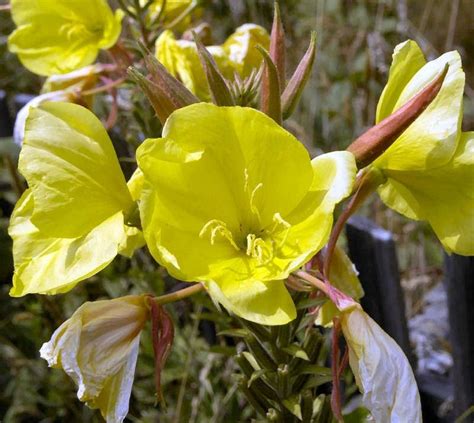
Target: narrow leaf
{"points": [[257, 374], [296, 351], [316, 370], [238, 333], [298, 81]]}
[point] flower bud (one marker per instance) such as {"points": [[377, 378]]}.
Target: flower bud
{"points": [[377, 139], [294, 89]]}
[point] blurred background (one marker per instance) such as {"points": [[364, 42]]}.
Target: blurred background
{"points": [[355, 42]]}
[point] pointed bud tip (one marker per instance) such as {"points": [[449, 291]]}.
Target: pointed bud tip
{"points": [[376, 140]]}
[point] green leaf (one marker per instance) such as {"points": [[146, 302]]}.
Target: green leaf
{"points": [[293, 405], [296, 351]]}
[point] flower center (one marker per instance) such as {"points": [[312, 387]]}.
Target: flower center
{"points": [[73, 30], [262, 249]]}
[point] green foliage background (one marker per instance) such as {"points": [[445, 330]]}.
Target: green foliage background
{"points": [[355, 41]]}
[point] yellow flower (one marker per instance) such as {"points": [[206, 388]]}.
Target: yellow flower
{"points": [[429, 169], [237, 54], [173, 8], [70, 223], [382, 372], [98, 348], [57, 36], [233, 200]]}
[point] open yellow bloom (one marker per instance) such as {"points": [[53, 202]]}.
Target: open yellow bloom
{"points": [[57, 36], [98, 348], [381, 369], [233, 200], [429, 169], [237, 54], [70, 223]]}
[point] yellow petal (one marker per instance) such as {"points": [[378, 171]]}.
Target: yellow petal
{"points": [[70, 165], [135, 184], [343, 275], [47, 265], [311, 221], [266, 303], [407, 60], [241, 49], [443, 196], [431, 140]]}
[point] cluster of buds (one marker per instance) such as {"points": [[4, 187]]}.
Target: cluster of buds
{"points": [[278, 98]]}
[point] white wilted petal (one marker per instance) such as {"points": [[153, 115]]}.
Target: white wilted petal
{"points": [[98, 348], [382, 371]]}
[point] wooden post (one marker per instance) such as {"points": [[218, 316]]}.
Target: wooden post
{"points": [[459, 279], [372, 251], [6, 127]]}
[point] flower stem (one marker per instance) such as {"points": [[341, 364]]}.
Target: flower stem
{"points": [[366, 184], [180, 295], [105, 87], [317, 283]]}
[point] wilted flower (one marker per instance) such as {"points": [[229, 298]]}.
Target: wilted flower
{"points": [[381, 369], [233, 200], [57, 36], [20, 119], [98, 348], [65, 87], [71, 222], [83, 78], [428, 169], [237, 54]]}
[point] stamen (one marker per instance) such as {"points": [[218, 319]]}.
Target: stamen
{"points": [[258, 249], [279, 221], [218, 227], [253, 207]]}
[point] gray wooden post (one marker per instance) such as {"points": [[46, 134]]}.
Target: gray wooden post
{"points": [[372, 250], [6, 127], [459, 279]]}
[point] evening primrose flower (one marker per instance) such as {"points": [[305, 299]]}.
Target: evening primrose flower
{"points": [[173, 8], [98, 348], [71, 221], [231, 199], [57, 36], [429, 168], [236, 54]]}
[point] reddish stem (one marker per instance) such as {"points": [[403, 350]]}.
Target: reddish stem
{"points": [[336, 386]]}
